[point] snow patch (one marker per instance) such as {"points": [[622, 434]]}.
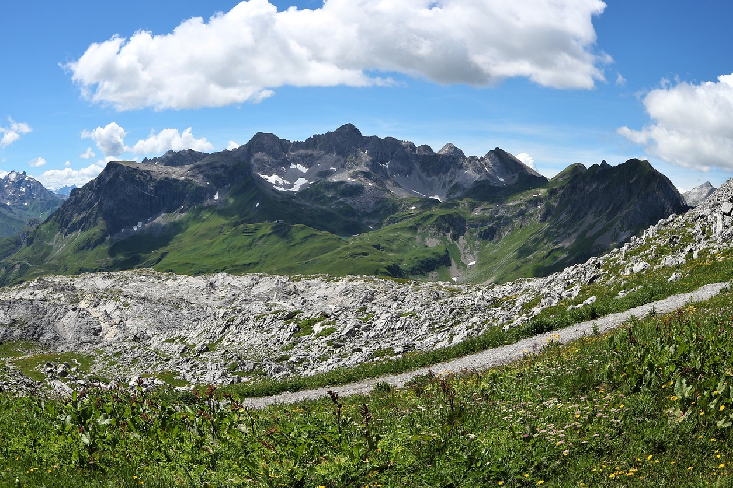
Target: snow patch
{"points": [[436, 197], [274, 180], [472, 263], [300, 182], [299, 167]]}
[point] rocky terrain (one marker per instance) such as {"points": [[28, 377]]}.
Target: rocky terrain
{"points": [[220, 328]]}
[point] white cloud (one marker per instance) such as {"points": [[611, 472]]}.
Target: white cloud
{"points": [[241, 55], [13, 133], [67, 164], [692, 125], [88, 155], [110, 139], [9, 138], [620, 80], [36, 162], [526, 159], [232, 145], [171, 139], [53, 179]]}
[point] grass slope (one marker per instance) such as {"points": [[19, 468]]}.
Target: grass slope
{"points": [[649, 404]]}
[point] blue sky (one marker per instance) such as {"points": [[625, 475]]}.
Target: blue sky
{"points": [[555, 82]]}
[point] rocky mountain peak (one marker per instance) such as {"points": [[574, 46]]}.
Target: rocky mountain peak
{"points": [[177, 158], [451, 151], [697, 195], [17, 188]]}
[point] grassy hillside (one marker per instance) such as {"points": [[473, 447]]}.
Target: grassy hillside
{"points": [[649, 404]]}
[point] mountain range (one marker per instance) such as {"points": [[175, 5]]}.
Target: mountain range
{"points": [[341, 203]]}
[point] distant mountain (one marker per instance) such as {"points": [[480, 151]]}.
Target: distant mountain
{"points": [[65, 191], [342, 203], [23, 199], [697, 195]]}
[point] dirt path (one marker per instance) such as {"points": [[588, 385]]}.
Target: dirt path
{"points": [[500, 355]]}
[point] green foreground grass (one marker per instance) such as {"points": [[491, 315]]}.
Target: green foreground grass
{"points": [[650, 404]]}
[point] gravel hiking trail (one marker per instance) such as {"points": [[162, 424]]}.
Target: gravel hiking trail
{"points": [[500, 355]]}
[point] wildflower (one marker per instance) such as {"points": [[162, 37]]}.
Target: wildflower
{"points": [[722, 407], [649, 457], [722, 465]]}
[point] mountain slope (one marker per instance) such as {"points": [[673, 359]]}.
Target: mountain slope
{"points": [[341, 203]]}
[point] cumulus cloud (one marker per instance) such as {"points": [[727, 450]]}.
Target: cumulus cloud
{"points": [[110, 139], [171, 139], [36, 162], [232, 145], [13, 133], [526, 159], [53, 179], [242, 55], [691, 124], [88, 155]]}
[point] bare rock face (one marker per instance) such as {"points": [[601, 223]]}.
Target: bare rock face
{"points": [[397, 167], [697, 195]]}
